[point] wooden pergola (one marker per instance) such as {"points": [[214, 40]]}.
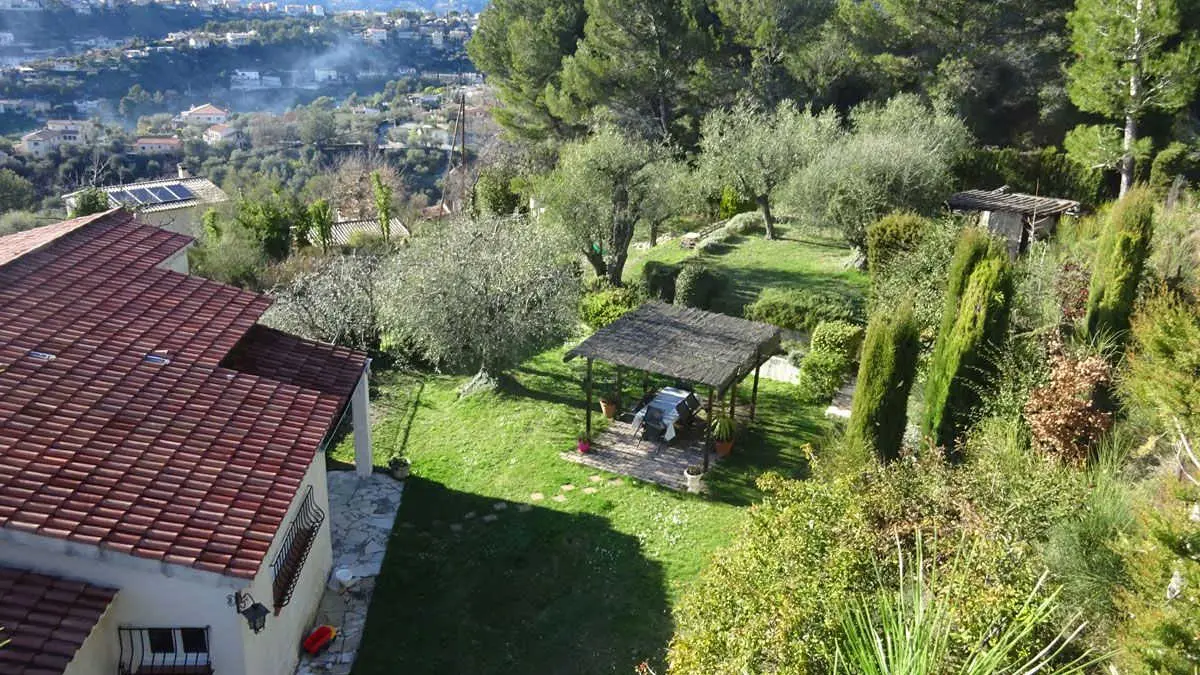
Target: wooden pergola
{"points": [[691, 345]]}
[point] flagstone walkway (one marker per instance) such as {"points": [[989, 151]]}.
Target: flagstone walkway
{"points": [[362, 513]]}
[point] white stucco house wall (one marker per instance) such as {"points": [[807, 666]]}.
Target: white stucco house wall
{"points": [[185, 529]]}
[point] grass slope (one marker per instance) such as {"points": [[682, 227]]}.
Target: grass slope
{"points": [[583, 585]]}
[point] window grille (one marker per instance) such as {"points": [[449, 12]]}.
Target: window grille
{"points": [[297, 543], [164, 651]]}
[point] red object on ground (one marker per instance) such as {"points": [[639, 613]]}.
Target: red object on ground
{"points": [[319, 639]]}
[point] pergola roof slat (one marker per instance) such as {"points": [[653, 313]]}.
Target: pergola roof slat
{"points": [[681, 342]]}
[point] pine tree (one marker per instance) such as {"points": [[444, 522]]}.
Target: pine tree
{"points": [[1130, 62], [1118, 266], [974, 324], [885, 375]]}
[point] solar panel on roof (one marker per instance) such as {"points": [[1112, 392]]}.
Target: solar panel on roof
{"points": [[143, 195], [181, 191], [123, 197], [163, 194]]}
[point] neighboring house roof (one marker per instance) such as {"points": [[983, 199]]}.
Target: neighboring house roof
{"points": [[222, 129], [46, 620], [153, 196], [1013, 202], [142, 411], [206, 109], [345, 229], [158, 140], [41, 135]]}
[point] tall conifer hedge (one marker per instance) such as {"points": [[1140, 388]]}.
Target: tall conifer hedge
{"points": [[885, 376], [974, 321], [1117, 270]]}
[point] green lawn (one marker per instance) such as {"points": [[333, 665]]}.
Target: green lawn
{"points": [[582, 585], [797, 259]]}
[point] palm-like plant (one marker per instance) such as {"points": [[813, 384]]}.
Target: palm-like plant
{"points": [[907, 632]]}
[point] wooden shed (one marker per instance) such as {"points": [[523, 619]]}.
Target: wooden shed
{"points": [[1018, 218]]}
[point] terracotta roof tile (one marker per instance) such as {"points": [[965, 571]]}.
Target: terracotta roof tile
{"points": [[46, 620], [143, 410]]}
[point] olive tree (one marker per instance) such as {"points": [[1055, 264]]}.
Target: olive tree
{"points": [[479, 294], [756, 151], [600, 189], [899, 156], [337, 302]]}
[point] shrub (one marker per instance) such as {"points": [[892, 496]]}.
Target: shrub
{"points": [[879, 412], [1177, 159], [698, 286], [839, 337], [919, 276], [658, 280], [892, 235], [802, 309], [821, 374], [975, 322], [1119, 263], [603, 307], [1162, 374], [733, 203], [1064, 415]]}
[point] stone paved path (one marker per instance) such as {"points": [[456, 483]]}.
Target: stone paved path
{"points": [[362, 513]]}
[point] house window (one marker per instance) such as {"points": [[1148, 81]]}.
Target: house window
{"points": [[163, 651], [297, 542]]}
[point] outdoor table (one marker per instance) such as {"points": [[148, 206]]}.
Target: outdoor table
{"points": [[672, 402]]}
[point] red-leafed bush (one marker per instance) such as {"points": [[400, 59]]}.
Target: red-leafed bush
{"points": [[1063, 415]]}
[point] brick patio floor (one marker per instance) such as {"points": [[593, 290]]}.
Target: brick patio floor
{"points": [[617, 450]]}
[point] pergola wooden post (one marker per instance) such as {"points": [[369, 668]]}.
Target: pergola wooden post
{"points": [[619, 392], [754, 391], [588, 386], [708, 427], [733, 398]]}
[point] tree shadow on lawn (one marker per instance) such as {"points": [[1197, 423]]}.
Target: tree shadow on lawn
{"points": [[536, 592]]}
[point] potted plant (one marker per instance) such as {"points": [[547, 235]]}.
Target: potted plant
{"points": [[400, 467], [693, 475], [610, 403], [722, 428], [583, 444]]}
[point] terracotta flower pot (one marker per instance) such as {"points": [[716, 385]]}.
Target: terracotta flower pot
{"points": [[724, 448], [609, 408]]}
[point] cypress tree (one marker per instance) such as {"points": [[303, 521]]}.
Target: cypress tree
{"points": [[977, 324], [1117, 270], [885, 376]]}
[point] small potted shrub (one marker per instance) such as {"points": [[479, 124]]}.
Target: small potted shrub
{"points": [[610, 403], [400, 467], [722, 432], [693, 475], [583, 444]]}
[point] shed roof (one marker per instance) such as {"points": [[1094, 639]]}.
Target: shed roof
{"points": [[1014, 202], [681, 342]]}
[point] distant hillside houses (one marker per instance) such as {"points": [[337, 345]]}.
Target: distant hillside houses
{"points": [[157, 145], [56, 134], [220, 133], [207, 114]]}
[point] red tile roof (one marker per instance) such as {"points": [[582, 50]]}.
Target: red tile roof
{"points": [[46, 619], [121, 426]]}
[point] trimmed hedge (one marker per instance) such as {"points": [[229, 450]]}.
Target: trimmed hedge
{"points": [[879, 412], [1045, 172], [892, 235], [821, 373], [605, 306], [839, 337], [1119, 263], [658, 280], [802, 309], [698, 285]]}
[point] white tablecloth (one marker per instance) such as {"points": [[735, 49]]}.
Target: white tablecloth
{"points": [[668, 400]]}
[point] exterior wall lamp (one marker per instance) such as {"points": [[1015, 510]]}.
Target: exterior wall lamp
{"points": [[254, 612]]}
